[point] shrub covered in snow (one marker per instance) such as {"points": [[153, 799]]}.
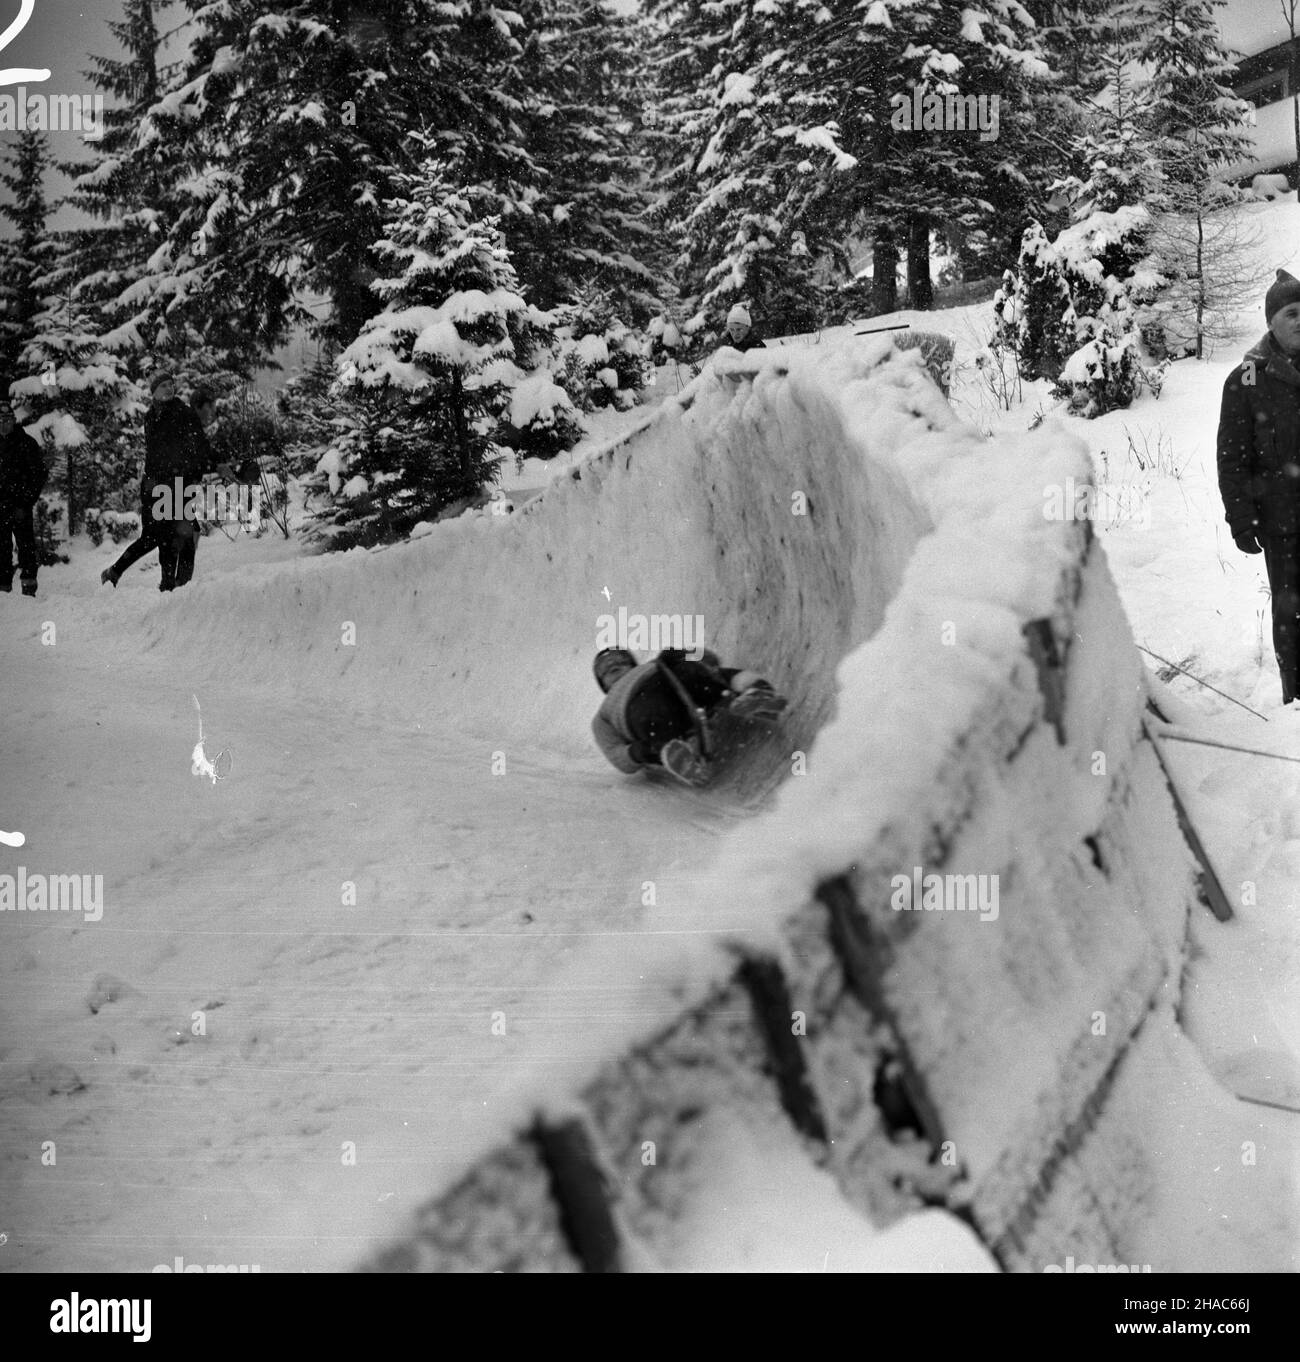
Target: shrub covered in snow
{"points": [[1270, 187], [602, 362], [119, 526], [1071, 310], [542, 421]]}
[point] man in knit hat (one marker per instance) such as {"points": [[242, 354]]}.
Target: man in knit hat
{"points": [[1259, 465], [740, 330]]}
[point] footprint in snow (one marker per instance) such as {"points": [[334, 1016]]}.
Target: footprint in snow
{"points": [[107, 988], [56, 1079]]}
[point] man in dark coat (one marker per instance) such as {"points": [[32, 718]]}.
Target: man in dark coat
{"points": [[655, 714], [22, 476], [185, 539], [1259, 465], [174, 447]]}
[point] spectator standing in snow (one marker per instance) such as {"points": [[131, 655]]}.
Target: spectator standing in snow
{"points": [[22, 476], [1259, 465], [740, 330], [655, 714], [174, 446], [185, 541]]}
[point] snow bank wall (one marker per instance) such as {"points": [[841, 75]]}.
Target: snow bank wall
{"points": [[1019, 1064], [741, 504]]}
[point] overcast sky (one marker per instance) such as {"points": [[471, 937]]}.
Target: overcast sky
{"points": [[62, 33]]}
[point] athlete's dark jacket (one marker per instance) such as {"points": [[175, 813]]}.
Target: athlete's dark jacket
{"points": [[1259, 443], [22, 471], [174, 447], [643, 710]]}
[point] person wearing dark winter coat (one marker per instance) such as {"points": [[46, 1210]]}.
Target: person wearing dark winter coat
{"points": [[184, 542], [655, 714], [740, 330], [22, 477], [175, 446], [1259, 466]]}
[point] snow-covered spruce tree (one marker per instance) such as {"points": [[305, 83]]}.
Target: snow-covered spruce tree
{"points": [[140, 282], [427, 376], [1033, 311], [293, 121], [583, 224], [838, 74], [302, 114], [683, 41], [759, 204], [25, 250], [1199, 128], [83, 408], [748, 234], [1075, 36], [1074, 312], [120, 185], [1115, 162], [308, 408], [961, 183]]}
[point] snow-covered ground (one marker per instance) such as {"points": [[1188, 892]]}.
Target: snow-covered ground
{"points": [[282, 1035]]}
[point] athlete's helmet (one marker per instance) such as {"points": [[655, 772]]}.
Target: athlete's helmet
{"points": [[610, 664]]}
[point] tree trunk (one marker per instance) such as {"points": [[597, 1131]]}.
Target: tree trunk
{"points": [[70, 480], [462, 432], [1292, 65], [1200, 282], [884, 272], [920, 287]]}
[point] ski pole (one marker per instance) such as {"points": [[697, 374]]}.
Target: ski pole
{"points": [[1199, 682], [1225, 746], [1261, 1102]]}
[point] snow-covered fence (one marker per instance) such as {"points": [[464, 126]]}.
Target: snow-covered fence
{"points": [[1019, 1063]]}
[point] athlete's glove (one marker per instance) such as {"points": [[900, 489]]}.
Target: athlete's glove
{"points": [[758, 701], [682, 760]]}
